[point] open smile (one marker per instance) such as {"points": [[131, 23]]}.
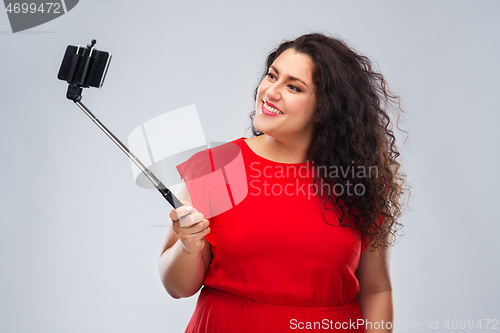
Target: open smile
{"points": [[270, 109]]}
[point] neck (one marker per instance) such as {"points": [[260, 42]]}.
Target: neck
{"points": [[286, 151]]}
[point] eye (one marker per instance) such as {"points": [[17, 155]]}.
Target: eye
{"points": [[295, 88], [271, 76]]}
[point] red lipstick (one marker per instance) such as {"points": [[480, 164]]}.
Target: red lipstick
{"points": [[268, 112], [272, 105]]}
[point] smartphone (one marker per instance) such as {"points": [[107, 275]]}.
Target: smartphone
{"points": [[84, 66]]}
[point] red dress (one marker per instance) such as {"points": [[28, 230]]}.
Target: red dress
{"points": [[277, 266]]}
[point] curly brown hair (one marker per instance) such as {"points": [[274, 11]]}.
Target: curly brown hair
{"points": [[354, 131]]}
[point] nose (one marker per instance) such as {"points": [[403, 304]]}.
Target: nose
{"points": [[274, 92]]}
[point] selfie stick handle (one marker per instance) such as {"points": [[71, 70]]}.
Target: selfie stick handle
{"points": [[165, 192]]}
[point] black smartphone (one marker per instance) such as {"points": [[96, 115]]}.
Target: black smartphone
{"points": [[84, 66]]}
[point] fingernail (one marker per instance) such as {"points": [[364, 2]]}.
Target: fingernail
{"points": [[189, 208]]}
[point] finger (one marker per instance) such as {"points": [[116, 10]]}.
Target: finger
{"points": [[197, 228], [192, 238], [191, 220], [185, 211], [200, 234], [175, 214], [188, 221]]}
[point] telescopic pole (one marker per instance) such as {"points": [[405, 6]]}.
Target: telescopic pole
{"points": [[74, 93]]}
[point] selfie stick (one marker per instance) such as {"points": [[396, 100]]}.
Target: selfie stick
{"points": [[79, 66]]}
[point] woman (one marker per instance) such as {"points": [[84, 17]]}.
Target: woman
{"points": [[291, 255]]}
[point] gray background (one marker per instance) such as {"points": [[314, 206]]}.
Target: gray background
{"points": [[79, 241]]}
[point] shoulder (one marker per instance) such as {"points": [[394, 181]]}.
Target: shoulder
{"points": [[195, 166]]}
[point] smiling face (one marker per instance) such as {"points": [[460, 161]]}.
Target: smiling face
{"points": [[286, 101]]}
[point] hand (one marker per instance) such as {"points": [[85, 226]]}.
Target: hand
{"points": [[190, 227]]}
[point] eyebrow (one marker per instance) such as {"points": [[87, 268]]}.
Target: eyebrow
{"points": [[292, 78]]}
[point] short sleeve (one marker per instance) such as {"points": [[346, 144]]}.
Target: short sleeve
{"points": [[196, 172]]}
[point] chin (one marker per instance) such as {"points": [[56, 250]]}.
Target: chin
{"points": [[259, 126]]}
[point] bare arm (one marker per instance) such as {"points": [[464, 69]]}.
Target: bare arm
{"points": [[186, 254], [375, 295]]}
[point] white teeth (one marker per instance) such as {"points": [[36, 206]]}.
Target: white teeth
{"points": [[270, 108]]}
